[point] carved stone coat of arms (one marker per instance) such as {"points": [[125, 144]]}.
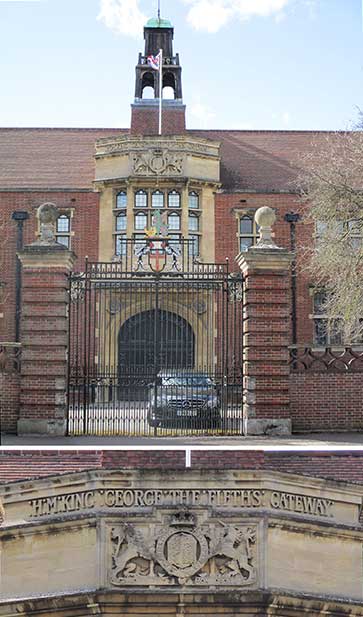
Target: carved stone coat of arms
{"points": [[184, 553]]}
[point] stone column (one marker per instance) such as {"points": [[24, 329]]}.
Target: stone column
{"points": [[44, 335], [266, 269]]}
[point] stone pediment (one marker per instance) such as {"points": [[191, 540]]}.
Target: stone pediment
{"points": [[157, 157], [182, 530]]}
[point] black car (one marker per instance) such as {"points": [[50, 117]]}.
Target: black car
{"points": [[183, 398]]}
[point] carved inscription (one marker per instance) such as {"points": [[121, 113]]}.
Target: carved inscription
{"points": [[184, 553], [119, 499], [125, 146]]}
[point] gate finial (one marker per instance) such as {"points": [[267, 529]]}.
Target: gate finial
{"points": [[265, 218]]}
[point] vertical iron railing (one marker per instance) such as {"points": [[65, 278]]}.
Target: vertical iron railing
{"points": [[155, 353]]}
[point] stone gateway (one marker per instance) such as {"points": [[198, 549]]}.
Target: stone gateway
{"points": [[152, 542]]}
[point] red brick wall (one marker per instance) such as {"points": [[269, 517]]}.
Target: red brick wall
{"points": [[326, 401], [21, 465], [9, 401], [44, 335], [227, 242], [84, 242], [145, 121]]}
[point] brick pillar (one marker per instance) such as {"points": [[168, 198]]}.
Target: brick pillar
{"points": [[44, 337], [267, 311]]}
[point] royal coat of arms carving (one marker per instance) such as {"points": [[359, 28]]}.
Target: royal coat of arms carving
{"points": [[157, 163], [184, 553]]}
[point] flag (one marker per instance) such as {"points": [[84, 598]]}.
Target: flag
{"points": [[154, 61]]}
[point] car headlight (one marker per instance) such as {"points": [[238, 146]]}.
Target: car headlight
{"points": [[161, 399], [212, 401]]}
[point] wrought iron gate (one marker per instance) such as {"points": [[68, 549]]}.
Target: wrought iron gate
{"points": [[155, 349]]}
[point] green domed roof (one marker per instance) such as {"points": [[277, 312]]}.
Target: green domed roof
{"points": [[155, 22]]}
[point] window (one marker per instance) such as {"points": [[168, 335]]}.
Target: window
{"points": [[157, 199], [121, 222], [326, 332], [141, 199], [140, 220], [120, 245], [174, 199], [248, 232], [174, 221], [63, 230], [193, 222], [356, 233], [194, 245], [353, 227], [121, 199], [193, 200]]}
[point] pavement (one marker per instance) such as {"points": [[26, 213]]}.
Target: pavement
{"points": [[337, 441]]}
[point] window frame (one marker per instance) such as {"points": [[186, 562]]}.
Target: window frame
{"points": [[253, 236], [67, 235]]}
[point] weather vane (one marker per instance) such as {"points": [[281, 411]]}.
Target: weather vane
{"points": [[159, 9]]}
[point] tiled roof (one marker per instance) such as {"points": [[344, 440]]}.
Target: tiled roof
{"points": [[22, 465], [49, 158], [63, 158]]}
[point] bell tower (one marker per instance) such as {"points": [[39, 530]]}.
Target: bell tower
{"points": [[158, 34]]}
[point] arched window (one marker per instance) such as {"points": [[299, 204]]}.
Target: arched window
{"points": [[148, 93], [174, 199], [141, 199], [148, 85], [174, 221], [157, 199], [140, 220], [193, 200], [121, 199], [248, 232], [168, 94], [121, 222], [168, 86]]}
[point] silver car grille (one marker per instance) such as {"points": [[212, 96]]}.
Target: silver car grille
{"points": [[183, 403]]}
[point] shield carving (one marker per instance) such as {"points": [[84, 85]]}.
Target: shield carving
{"points": [[182, 553], [157, 255], [181, 549]]}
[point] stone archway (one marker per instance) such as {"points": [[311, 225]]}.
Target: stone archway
{"points": [[153, 340]]}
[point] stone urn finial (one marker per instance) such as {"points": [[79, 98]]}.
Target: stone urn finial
{"points": [[47, 215], [265, 218]]}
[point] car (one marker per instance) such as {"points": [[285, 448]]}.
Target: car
{"points": [[184, 398]]}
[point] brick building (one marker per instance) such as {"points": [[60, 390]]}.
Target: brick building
{"points": [[196, 193]]}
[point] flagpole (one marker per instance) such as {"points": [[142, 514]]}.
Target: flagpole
{"points": [[160, 90]]}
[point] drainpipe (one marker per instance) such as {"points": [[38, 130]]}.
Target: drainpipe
{"points": [[19, 217], [292, 218]]}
